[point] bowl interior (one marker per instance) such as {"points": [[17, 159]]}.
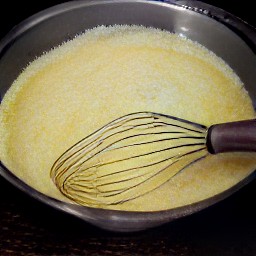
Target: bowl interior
{"points": [[53, 26]]}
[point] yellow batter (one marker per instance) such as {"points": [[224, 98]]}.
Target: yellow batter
{"points": [[108, 72]]}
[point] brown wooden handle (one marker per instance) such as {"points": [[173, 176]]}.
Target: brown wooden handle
{"points": [[234, 136]]}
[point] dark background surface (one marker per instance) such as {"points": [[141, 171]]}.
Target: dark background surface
{"points": [[28, 227]]}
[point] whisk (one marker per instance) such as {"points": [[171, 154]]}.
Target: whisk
{"points": [[138, 153]]}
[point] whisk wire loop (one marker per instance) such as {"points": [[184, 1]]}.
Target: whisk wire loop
{"points": [[127, 158]]}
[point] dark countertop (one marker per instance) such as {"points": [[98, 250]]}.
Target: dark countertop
{"points": [[28, 227], [31, 228]]}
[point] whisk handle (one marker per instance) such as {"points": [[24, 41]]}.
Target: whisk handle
{"points": [[233, 136]]}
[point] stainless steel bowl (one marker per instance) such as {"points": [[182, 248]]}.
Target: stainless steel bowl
{"points": [[221, 32]]}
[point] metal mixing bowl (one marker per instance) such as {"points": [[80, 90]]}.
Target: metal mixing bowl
{"points": [[224, 34]]}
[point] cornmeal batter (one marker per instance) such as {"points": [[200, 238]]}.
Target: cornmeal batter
{"points": [[108, 72]]}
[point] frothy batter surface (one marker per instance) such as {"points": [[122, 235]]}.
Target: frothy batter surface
{"points": [[108, 72]]}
